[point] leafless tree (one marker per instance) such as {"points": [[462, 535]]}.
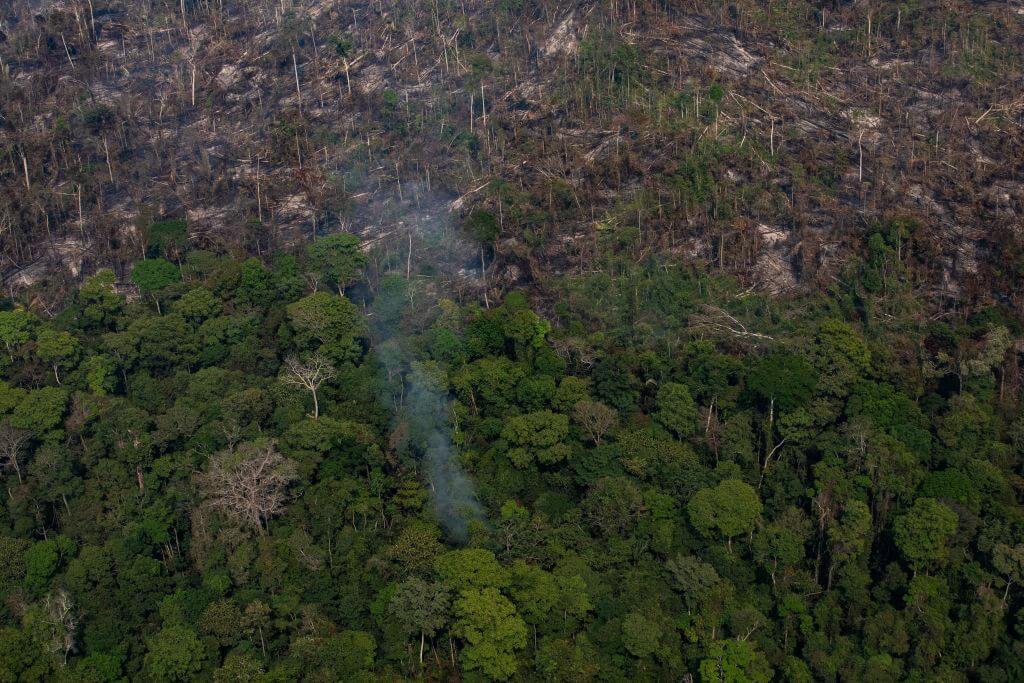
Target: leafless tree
{"points": [[310, 374], [718, 321], [249, 485], [59, 614], [12, 446], [595, 418]]}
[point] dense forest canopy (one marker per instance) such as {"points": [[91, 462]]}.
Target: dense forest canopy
{"points": [[225, 477]]}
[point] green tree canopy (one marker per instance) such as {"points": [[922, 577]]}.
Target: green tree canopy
{"points": [[731, 508], [338, 258], [420, 607], [734, 661], [923, 531], [16, 328], [175, 653], [786, 379], [492, 630], [40, 410], [59, 349], [471, 568], [677, 411], [167, 236], [153, 275], [537, 437], [327, 322]]}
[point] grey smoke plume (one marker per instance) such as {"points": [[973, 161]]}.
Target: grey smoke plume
{"points": [[422, 407], [453, 493]]}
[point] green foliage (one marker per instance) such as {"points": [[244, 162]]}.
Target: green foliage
{"points": [[174, 654], [571, 390], [567, 660], [640, 635], [493, 633], [846, 507], [167, 236], [99, 374], [156, 342], [471, 568], [16, 328], [527, 330], [238, 667], [41, 410], [896, 413], [677, 411], [613, 505], [420, 607], [841, 356], [342, 45], [693, 181], [12, 562], [20, 658], [153, 275], [922, 533], [537, 437], [483, 226], [731, 508], [197, 305], [615, 383], [337, 258], [786, 379], [44, 558], [57, 348], [734, 661], [99, 667], [328, 323], [605, 58], [344, 656], [255, 286]]}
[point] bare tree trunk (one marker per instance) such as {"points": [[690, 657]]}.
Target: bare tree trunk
{"points": [[24, 166], [106, 151], [408, 259], [298, 86], [67, 51], [483, 276]]}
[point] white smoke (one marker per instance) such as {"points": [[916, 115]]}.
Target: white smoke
{"points": [[435, 258]]}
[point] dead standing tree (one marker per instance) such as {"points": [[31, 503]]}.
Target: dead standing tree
{"points": [[310, 375], [248, 485], [595, 418], [12, 447], [60, 616]]}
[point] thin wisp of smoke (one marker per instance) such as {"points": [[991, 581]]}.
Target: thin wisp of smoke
{"points": [[452, 490], [419, 397]]}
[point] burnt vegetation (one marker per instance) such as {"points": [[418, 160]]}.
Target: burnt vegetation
{"points": [[511, 340], [765, 140]]}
